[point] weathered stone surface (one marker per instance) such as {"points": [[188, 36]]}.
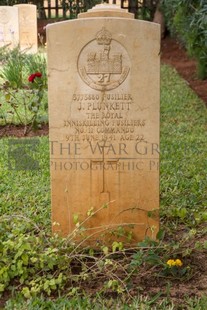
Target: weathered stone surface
{"points": [[9, 26], [104, 85], [28, 27]]}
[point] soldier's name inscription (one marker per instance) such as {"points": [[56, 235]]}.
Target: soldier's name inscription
{"points": [[110, 105]]}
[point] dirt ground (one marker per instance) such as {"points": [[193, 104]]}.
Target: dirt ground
{"points": [[172, 53]]}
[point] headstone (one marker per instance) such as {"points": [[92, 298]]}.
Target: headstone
{"points": [[27, 27], [104, 85], [106, 10], [9, 27]]}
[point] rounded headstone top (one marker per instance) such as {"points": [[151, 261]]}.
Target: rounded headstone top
{"points": [[107, 6], [106, 10]]}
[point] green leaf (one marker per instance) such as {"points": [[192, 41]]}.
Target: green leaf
{"points": [[182, 213], [25, 259], [160, 235], [75, 218], [26, 292], [105, 250], [205, 245], [2, 287], [7, 96], [52, 282]]}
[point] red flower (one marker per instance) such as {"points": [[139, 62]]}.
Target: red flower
{"points": [[33, 76], [38, 74]]}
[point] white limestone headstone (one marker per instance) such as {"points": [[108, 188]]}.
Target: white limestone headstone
{"points": [[104, 88], [28, 27], [9, 27]]}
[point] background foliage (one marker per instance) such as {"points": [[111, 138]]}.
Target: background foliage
{"points": [[12, 2], [188, 20]]}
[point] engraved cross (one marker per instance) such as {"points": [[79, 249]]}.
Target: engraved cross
{"points": [[102, 162]]}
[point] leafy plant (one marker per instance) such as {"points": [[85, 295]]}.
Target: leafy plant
{"points": [[37, 63], [188, 20], [17, 66], [175, 268], [30, 98], [23, 101], [12, 70]]}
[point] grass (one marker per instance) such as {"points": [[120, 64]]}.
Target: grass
{"points": [[183, 149], [26, 193], [25, 220], [97, 304]]}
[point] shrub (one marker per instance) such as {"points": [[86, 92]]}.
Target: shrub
{"points": [[188, 20], [23, 89], [27, 104], [17, 66], [13, 64]]}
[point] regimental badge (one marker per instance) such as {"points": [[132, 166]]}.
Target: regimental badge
{"points": [[103, 64]]}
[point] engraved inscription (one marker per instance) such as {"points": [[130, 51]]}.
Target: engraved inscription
{"points": [[103, 106], [25, 18], [4, 16], [103, 64]]}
